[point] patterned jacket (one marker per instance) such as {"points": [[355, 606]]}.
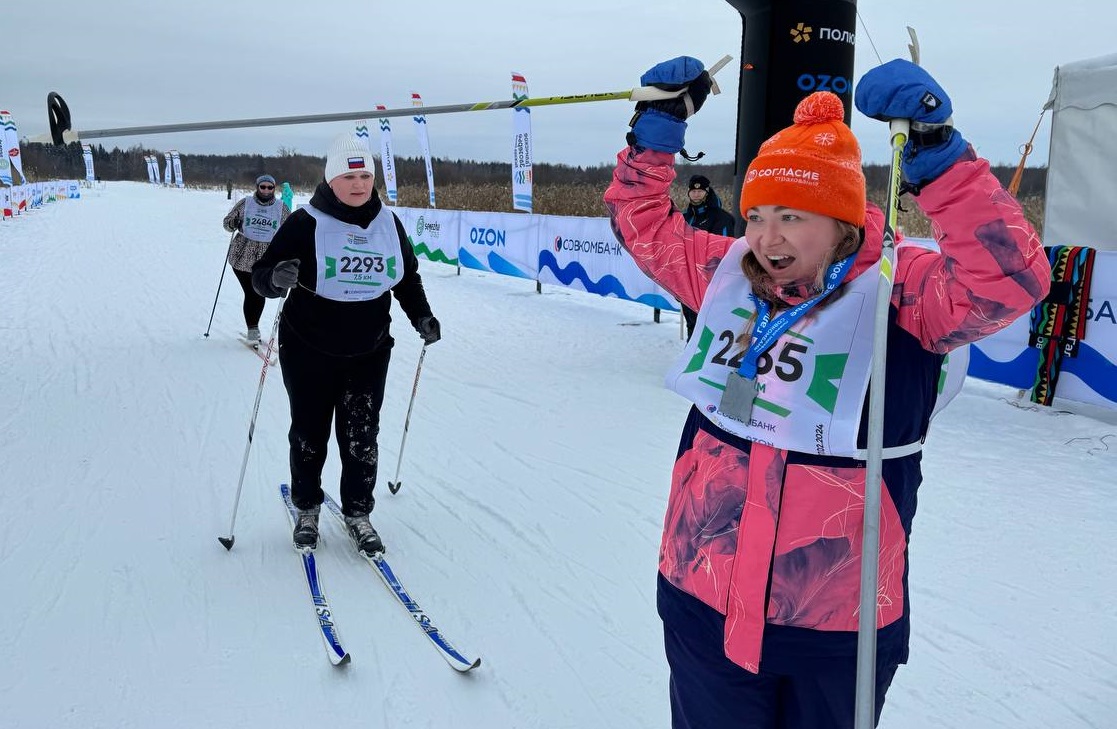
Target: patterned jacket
{"points": [[772, 538], [243, 253]]}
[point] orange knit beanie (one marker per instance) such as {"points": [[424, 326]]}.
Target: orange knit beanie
{"points": [[812, 165]]}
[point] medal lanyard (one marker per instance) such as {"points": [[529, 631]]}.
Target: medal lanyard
{"points": [[767, 330]]}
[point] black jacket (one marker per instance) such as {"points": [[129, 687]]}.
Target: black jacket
{"points": [[343, 328], [710, 216]]}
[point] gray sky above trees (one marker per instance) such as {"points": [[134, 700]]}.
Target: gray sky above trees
{"points": [[121, 63]]}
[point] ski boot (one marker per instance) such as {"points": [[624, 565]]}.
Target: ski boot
{"points": [[306, 528], [363, 535]]}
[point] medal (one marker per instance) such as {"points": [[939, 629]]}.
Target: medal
{"points": [[737, 399]]}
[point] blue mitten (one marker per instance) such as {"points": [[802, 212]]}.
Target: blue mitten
{"points": [[661, 125], [900, 89]]}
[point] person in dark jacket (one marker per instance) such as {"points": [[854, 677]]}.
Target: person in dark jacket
{"points": [[705, 213], [339, 257]]}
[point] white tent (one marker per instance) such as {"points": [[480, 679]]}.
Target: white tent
{"points": [[1082, 166]]}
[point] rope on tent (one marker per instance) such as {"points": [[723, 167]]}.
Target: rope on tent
{"points": [[1014, 185]]}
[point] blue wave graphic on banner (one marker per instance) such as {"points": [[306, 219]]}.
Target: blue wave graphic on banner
{"points": [[495, 264], [609, 285], [1090, 366]]}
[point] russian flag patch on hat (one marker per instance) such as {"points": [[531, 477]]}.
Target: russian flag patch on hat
{"points": [[347, 155]]}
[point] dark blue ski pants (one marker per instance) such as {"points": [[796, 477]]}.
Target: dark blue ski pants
{"points": [[708, 691]]}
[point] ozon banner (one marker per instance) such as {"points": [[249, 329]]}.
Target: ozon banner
{"points": [[505, 243], [584, 253]]}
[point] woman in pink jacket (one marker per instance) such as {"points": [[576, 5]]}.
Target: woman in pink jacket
{"points": [[759, 564]]}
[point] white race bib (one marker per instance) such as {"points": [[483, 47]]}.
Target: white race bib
{"points": [[355, 263], [811, 384], [261, 221]]}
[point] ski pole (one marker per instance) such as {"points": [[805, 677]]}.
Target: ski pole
{"points": [[219, 282], [227, 542], [394, 486], [865, 708], [58, 112]]}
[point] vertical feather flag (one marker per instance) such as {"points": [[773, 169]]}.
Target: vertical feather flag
{"points": [[387, 159], [176, 162], [521, 146], [10, 140], [424, 143], [87, 157], [167, 169], [362, 133]]}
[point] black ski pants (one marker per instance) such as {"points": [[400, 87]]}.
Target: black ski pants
{"points": [[347, 391], [253, 302], [708, 691]]}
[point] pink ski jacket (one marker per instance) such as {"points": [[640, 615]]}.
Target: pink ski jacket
{"points": [[772, 538]]}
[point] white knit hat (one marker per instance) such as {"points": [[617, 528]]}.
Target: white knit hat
{"points": [[348, 154]]}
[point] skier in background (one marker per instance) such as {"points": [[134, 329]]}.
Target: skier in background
{"points": [[704, 211], [254, 219], [288, 196], [759, 566], [339, 257]]}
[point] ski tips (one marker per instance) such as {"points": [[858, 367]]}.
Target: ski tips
{"points": [[227, 542], [395, 486], [343, 661], [463, 668]]}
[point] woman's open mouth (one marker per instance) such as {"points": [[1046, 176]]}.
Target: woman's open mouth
{"points": [[778, 263]]}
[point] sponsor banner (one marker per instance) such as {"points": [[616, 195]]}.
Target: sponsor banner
{"points": [[1091, 377], [583, 253], [434, 234], [505, 243], [73, 190], [387, 158], [87, 157], [9, 137], [6, 202], [424, 144], [521, 147], [811, 49], [176, 162], [167, 168], [361, 132]]}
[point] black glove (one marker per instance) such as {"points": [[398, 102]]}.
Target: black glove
{"points": [[285, 274], [429, 330]]}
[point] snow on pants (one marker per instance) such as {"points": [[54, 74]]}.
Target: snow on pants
{"points": [[347, 391], [708, 691]]}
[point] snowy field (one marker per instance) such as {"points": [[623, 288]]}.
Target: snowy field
{"points": [[534, 483]]}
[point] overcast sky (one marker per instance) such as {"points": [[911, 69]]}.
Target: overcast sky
{"points": [[122, 63]]}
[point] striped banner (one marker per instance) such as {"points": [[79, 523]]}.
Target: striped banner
{"points": [[521, 146], [424, 143], [387, 158]]}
